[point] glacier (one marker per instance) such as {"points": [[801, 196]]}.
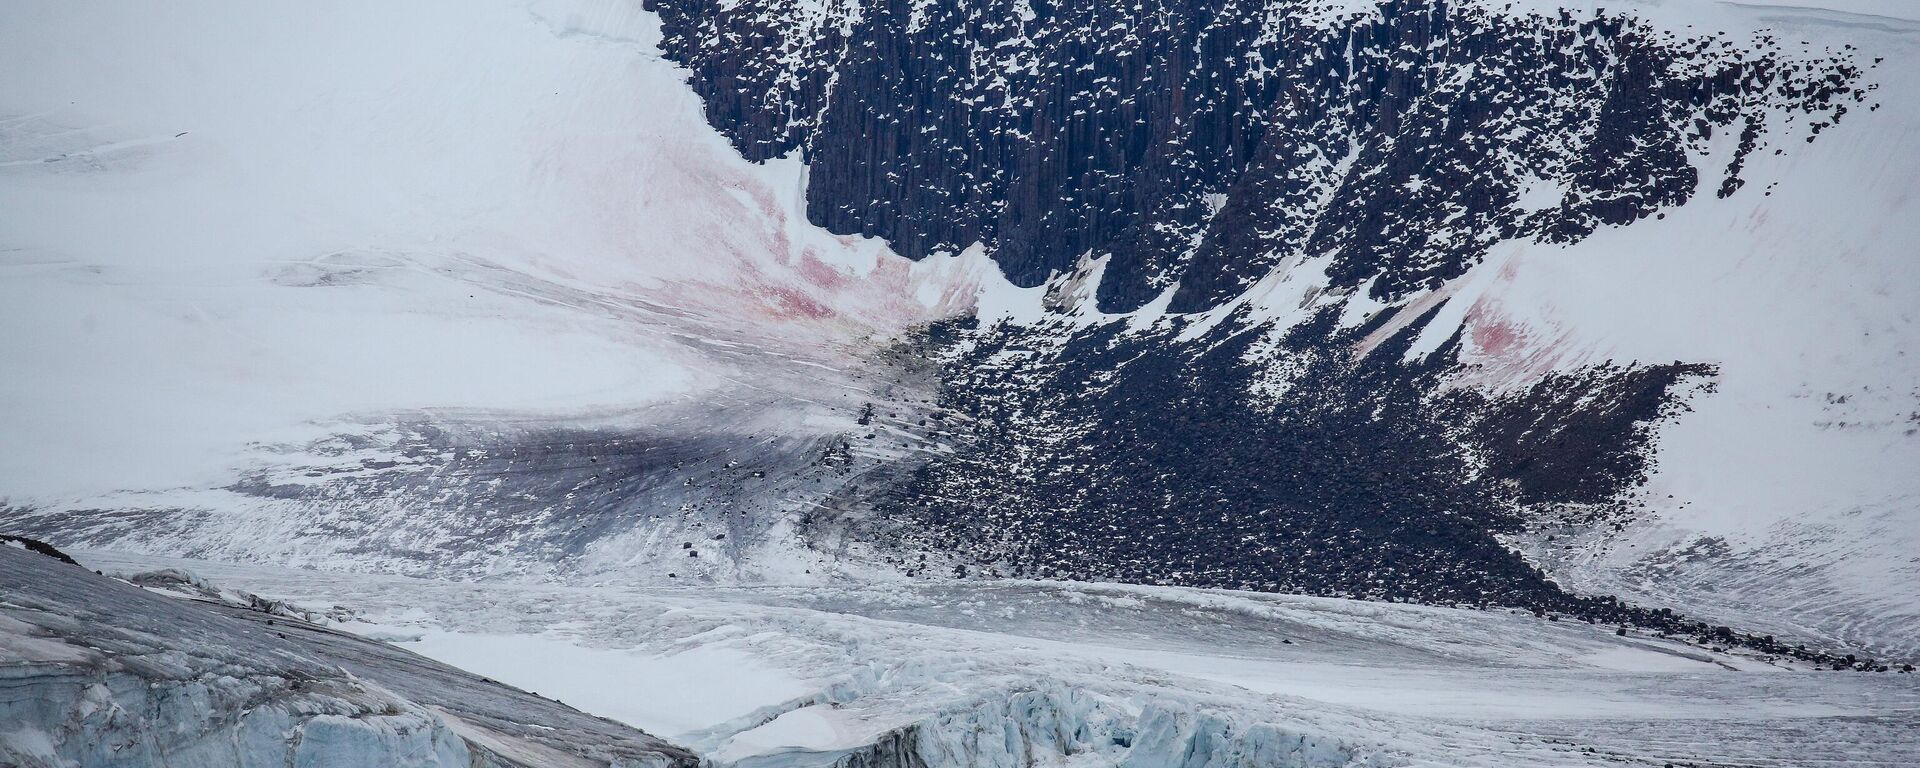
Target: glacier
{"points": [[99, 672], [1012, 673]]}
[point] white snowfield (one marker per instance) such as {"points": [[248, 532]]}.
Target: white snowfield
{"points": [[1788, 498], [1889, 9], [1057, 674], [223, 224]]}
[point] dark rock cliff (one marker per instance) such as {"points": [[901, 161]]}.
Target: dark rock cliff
{"points": [[1199, 142]]}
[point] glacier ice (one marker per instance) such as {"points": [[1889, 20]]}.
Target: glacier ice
{"points": [[934, 674], [97, 672]]}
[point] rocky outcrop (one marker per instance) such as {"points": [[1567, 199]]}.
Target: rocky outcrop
{"points": [[1201, 143]]}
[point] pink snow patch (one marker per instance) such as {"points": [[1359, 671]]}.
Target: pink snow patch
{"points": [[821, 273], [1492, 335]]}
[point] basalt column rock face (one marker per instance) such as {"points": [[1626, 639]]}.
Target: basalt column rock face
{"points": [[1198, 144]]}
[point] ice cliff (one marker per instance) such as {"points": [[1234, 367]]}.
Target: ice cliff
{"points": [[1058, 726], [98, 672]]}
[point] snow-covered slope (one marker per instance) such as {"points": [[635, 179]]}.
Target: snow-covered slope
{"points": [[274, 276], [225, 223], [1787, 498], [1887, 9]]}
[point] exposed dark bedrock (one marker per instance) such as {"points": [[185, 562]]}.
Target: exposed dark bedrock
{"points": [[1202, 141], [37, 546]]}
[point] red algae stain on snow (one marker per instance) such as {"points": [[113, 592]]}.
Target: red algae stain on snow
{"points": [[820, 273], [1492, 335], [1503, 352], [792, 304]]}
